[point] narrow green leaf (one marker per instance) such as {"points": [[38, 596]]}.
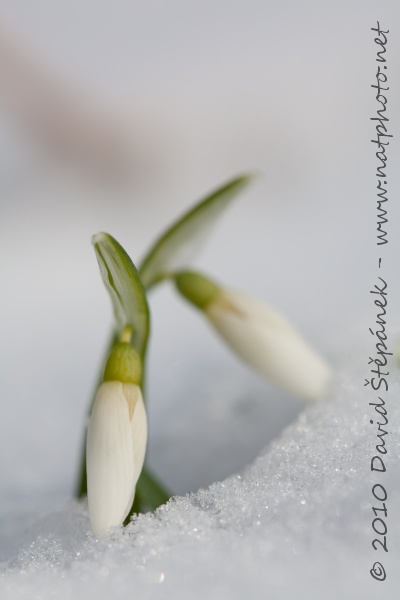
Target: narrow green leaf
{"points": [[175, 248], [150, 490], [150, 494], [125, 288]]}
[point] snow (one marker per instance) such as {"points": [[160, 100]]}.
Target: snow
{"points": [[282, 527]]}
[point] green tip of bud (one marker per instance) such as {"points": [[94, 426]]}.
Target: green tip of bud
{"points": [[123, 364], [196, 288]]}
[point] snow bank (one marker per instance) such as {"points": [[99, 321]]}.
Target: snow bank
{"points": [[295, 524]]}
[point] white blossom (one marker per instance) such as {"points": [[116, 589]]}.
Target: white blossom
{"points": [[115, 450], [267, 342]]}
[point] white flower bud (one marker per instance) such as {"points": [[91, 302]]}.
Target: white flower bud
{"points": [[267, 342], [259, 335], [116, 442]]}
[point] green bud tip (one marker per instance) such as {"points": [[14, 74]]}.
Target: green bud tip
{"points": [[196, 288], [123, 364]]}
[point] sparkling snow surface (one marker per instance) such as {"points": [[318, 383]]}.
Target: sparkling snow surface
{"points": [[272, 497], [289, 526]]}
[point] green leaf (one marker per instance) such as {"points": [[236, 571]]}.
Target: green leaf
{"points": [[175, 249], [150, 490], [150, 494], [125, 288]]}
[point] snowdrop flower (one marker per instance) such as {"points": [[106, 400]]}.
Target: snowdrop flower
{"points": [[116, 440], [259, 335]]}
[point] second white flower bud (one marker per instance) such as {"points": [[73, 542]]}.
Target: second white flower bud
{"points": [[259, 335]]}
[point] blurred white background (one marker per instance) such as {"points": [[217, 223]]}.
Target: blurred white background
{"points": [[195, 94]]}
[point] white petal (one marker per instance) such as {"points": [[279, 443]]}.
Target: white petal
{"points": [[138, 426], [111, 470], [265, 340], [252, 308], [138, 417]]}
